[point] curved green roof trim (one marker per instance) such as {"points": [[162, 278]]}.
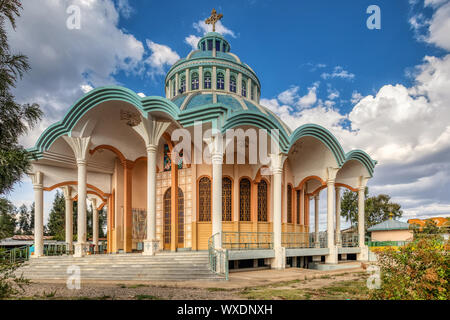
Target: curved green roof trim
{"points": [[322, 134], [362, 157], [94, 98]]}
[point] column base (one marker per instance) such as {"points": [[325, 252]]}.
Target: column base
{"points": [[80, 249], [332, 256], [150, 247], [364, 255], [279, 262]]}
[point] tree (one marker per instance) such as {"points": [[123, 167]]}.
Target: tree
{"points": [[377, 209], [7, 219], [15, 119], [24, 220], [56, 220]]}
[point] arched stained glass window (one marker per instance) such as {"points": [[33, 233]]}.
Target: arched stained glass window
{"points": [[289, 203], [244, 200], [194, 81], [207, 80], [226, 199], [244, 89], [204, 199], [233, 84], [262, 201], [220, 81]]}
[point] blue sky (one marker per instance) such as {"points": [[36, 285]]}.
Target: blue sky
{"points": [[384, 91]]}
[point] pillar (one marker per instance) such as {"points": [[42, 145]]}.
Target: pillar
{"points": [[151, 131], [364, 254], [80, 147], [217, 160], [94, 224], [332, 254], [150, 244], [127, 206], [279, 262], [37, 179], [69, 217], [174, 207], [338, 216], [316, 221]]}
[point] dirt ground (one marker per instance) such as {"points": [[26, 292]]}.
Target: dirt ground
{"points": [[297, 284]]}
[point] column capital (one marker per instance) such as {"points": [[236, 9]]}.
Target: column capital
{"points": [[37, 179], [317, 197], [81, 162], [67, 190], [277, 162], [151, 148], [361, 189], [80, 147], [151, 130], [330, 182]]}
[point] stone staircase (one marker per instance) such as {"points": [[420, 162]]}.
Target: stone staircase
{"points": [[133, 267]]}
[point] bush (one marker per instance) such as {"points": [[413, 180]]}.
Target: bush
{"points": [[10, 283], [418, 271]]}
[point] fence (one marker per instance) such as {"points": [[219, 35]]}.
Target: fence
{"points": [[218, 258], [247, 240]]}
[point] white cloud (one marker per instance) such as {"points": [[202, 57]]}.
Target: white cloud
{"points": [[86, 88], [356, 97], [338, 72], [161, 56], [124, 8], [333, 93], [192, 40], [289, 96], [204, 28], [439, 27], [310, 98]]}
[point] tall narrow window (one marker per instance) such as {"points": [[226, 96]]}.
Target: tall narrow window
{"points": [[174, 88], [252, 93], [210, 44], [233, 84], [220, 81], [207, 83], [217, 45], [167, 160], [262, 201], [182, 85], [244, 200], [204, 199], [289, 203], [194, 81], [244, 89], [226, 199], [203, 46], [180, 216]]}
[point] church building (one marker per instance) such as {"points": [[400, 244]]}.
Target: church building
{"points": [[116, 150]]}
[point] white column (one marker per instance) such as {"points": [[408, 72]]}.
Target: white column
{"points": [[69, 217], [277, 170], [214, 78], [361, 216], [188, 81], [239, 84], [200, 77], [80, 147], [217, 161], [332, 255], [338, 216], [227, 80], [94, 224], [151, 132], [316, 221], [150, 245], [38, 188]]}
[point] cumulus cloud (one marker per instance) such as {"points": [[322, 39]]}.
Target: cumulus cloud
{"points": [[161, 56], [192, 40], [204, 28]]}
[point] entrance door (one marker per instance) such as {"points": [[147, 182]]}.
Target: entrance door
{"points": [[168, 221]]}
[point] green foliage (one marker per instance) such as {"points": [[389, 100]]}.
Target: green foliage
{"points": [[7, 219], [24, 222], [10, 283], [417, 271], [15, 119], [377, 208], [56, 220]]}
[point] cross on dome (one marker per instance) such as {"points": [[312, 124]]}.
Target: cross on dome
{"points": [[214, 19]]}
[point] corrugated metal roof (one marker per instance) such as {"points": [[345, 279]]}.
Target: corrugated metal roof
{"points": [[389, 225]]}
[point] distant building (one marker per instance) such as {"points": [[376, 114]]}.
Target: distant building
{"points": [[391, 230], [439, 221], [20, 241]]}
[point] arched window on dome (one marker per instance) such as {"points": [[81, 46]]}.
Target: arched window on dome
{"points": [[252, 92], [204, 199], [217, 45], [194, 81], [233, 84], [183, 85], [244, 88], [207, 84], [220, 81], [244, 200], [174, 88], [262, 201], [203, 46]]}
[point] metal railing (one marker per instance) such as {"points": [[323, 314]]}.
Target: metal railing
{"points": [[218, 258], [387, 243], [349, 240], [55, 249], [16, 255], [303, 240], [247, 240]]}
